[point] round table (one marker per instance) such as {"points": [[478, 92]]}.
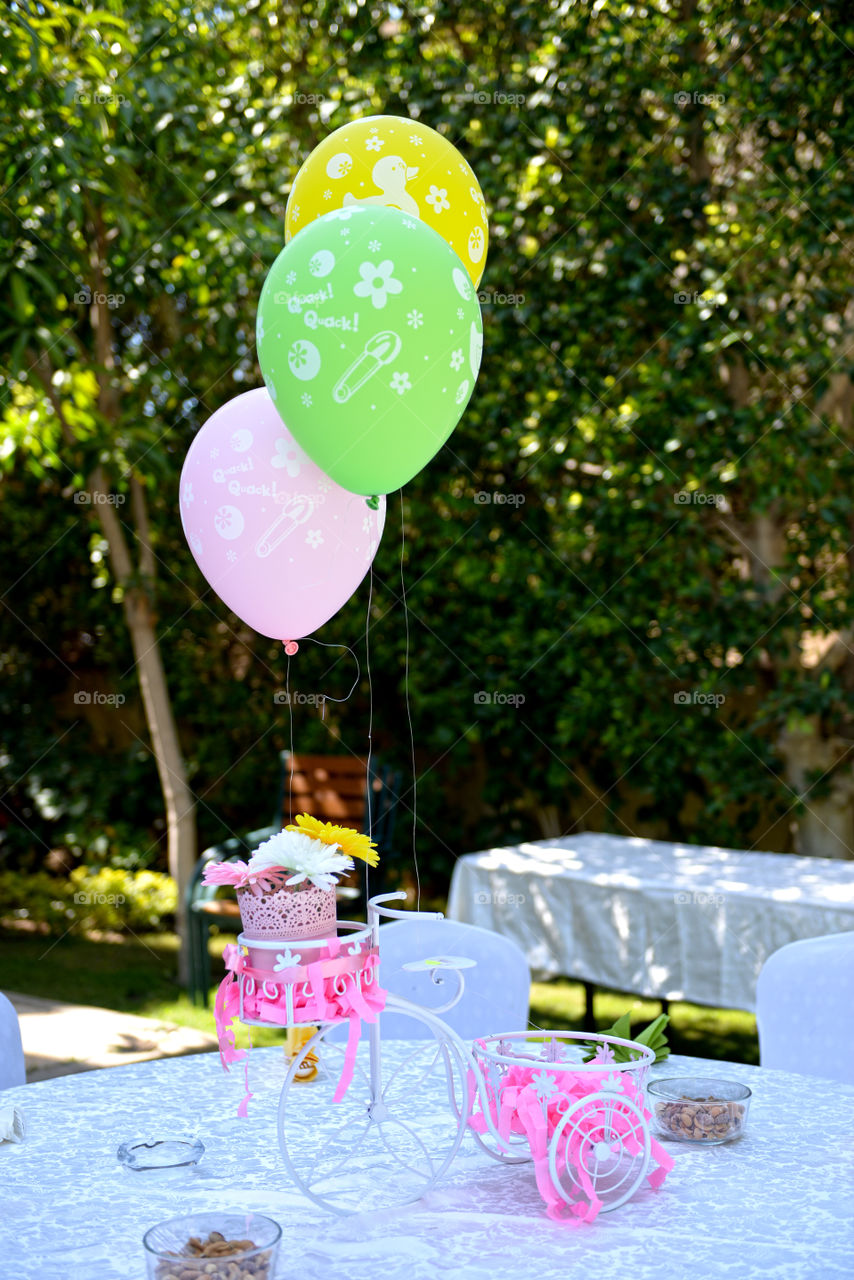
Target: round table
{"points": [[778, 1202]]}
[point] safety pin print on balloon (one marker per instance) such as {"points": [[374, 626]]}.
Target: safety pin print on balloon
{"points": [[295, 512], [379, 350]]}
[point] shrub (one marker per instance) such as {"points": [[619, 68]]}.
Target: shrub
{"points": [[90, 899]]}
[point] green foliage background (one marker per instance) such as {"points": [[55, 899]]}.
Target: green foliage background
{"points": [[662, 423]]}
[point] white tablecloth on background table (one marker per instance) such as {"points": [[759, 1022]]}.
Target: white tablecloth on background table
{"points": [[676, 921], [778, 1202]]}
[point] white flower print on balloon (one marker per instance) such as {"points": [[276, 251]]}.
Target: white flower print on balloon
{"points": [[375, 246], [287, 455], [314, 538], [400, 383], [415, 319], [188, 496], [306, 399], [339, 166], [438, 198], [291, 277], [304, 360], [415, 140], [196, 544], [295, 213], [214, 454], [259, 329], [271, 390], [366, 524], [460, 313], [457, 359], [476, 244], [231, 557], [327, 195], [462, 391], [228, 522], [377, 282], [462, 283], [374, 144], [475, 348], [241, 440], [322, 263]]}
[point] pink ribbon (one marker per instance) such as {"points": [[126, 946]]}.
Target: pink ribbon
{"points": [[314, 999], [518, 1108]]}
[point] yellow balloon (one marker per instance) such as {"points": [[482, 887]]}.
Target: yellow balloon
{"points": [[398, 162]]}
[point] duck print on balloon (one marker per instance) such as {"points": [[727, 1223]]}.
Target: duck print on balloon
{"points": [[391, 175], [387, 161]]}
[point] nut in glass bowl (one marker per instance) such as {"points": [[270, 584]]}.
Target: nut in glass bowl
{"points": [[696, 1109], [213, 1246]]}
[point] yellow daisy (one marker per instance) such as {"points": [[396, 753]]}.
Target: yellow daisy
{"points": [[349, 841]]}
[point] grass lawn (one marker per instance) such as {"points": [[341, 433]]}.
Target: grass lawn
{"points": [[138, 975]]}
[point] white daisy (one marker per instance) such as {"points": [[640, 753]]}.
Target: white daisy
{"points": [[308, 859]]}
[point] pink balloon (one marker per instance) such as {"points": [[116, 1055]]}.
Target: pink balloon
{"points": [[280, 543]]}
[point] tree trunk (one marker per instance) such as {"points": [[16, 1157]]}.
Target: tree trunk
{"points": [[137, 584], [826, 827], [178, 798], [138, 596]]}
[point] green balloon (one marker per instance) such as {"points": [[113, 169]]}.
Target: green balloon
{"points": [[369, 340]]}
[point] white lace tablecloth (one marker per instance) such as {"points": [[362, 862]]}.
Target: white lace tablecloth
{"points": [[678, 921], [778, 1202]]}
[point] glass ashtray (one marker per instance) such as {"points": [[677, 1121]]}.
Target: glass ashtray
{"points": [[160, 1155]]}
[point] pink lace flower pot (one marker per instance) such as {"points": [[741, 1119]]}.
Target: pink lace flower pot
{"points": [[286, 915]]}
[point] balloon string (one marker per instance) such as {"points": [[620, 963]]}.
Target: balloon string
{"points": [[291, 760], [368, 780], [327, 697], [409, 711]]}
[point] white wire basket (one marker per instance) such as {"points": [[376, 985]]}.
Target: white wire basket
{"points": [[584, 1124]]}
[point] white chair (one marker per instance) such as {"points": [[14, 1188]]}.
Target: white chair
{"points": [[497, 988], [12, 1071], [805, 1008]]}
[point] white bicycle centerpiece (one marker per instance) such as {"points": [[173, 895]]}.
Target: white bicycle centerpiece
{"points": [[527, 1097]]}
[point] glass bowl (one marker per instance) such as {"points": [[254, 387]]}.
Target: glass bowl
{"points": [[160, 1155], [180, 1241], [698, 1109]]}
